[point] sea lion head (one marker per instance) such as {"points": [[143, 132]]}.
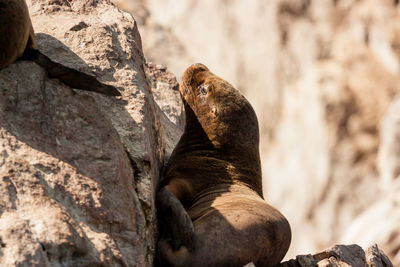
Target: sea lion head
{"points": [[225, 115]]}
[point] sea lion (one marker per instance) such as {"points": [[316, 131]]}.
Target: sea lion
{"points": [[211, 210], [17, 41]]}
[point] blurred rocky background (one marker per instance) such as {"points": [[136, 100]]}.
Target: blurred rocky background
{"points": [[323, 77]]}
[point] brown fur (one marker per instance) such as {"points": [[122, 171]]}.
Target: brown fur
{"points": [[215, 173], [16, 29]]}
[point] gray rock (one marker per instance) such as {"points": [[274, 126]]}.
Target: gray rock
{"points": [[166, 94], [377, 258], [78, 170], [342, 256]]}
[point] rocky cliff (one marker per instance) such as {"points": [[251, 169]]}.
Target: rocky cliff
{"points": [[78, 170]]}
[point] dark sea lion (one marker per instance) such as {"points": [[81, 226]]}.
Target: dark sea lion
{"points": [[17, 41], [211, 209]]}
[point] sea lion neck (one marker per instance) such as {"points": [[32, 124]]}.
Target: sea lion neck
{"points": [[202, 138], [232, 164]]}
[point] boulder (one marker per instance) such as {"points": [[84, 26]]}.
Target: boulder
{"points": [[78, 170], [342, 256]]}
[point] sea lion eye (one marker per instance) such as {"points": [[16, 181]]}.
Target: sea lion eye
{"points": [[204, 89]]}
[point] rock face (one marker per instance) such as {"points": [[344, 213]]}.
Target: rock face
{"points": [[78, 170], [320, 75], [170, 107]]}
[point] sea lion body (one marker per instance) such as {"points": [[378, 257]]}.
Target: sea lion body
{"points": [[16, 31], [17, 41], [215, 172]]}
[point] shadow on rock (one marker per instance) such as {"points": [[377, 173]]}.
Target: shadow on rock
{"points": [[58, 147]]}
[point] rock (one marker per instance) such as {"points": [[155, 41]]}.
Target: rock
{"points": [[165, 90], [376, 257], [78, 170], [342, 256], [141, 13], [306, 260]]}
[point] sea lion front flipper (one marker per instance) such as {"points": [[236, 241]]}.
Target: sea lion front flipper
{"points": [[175, 222], [70, 77]]}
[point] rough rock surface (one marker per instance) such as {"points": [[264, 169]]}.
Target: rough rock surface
{"points": [[78, 170], [166, 94], [320, 75], [342, 256]]}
